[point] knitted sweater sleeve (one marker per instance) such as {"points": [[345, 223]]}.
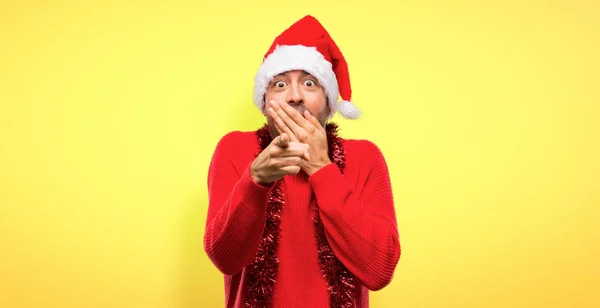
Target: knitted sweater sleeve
{"points": [[360, 222], [236, 211]]}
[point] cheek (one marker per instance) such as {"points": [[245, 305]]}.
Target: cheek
{"points": [[316, 104], [276, 96], [271, 97]]}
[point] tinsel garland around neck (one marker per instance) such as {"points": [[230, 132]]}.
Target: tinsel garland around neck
{"points": [[260, 279]]}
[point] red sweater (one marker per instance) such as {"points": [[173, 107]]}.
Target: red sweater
{"points": [[356, 209]]}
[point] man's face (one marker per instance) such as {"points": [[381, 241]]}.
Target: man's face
{"points": [[300, 90]]}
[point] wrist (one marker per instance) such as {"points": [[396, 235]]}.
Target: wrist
{"points": [[312, 169], [256, 179]]}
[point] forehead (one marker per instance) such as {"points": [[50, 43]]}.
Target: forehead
{"points": [[298, 73]]}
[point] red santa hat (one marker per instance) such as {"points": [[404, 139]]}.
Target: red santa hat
{"points": [[307, 46]]}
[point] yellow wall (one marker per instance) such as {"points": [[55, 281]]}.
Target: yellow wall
{"points": [[487, 114]]}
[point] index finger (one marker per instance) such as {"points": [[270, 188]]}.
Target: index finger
{"points": [[295, 116], [282, 140]]}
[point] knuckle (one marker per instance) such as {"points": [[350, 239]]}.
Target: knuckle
{"points": [[302, 136]]}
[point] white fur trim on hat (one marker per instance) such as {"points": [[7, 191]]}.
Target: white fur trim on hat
{"points": [[298, 57]]}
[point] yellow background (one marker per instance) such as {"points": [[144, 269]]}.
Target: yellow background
{"points": [[487, 112]]}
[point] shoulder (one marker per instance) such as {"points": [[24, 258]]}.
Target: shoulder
{"points": [[236, 144], [363, 146], [362, 150], [237, 138]]}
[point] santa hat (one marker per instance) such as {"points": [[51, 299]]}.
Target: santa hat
{"points": [[307, 46]]}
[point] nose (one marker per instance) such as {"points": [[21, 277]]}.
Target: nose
{"points": [[294, 95]]}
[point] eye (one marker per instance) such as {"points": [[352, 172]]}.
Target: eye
{"points": [[310, 83], [279, 84]]}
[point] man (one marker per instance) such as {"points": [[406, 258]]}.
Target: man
{"points": [[298, 216]]}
